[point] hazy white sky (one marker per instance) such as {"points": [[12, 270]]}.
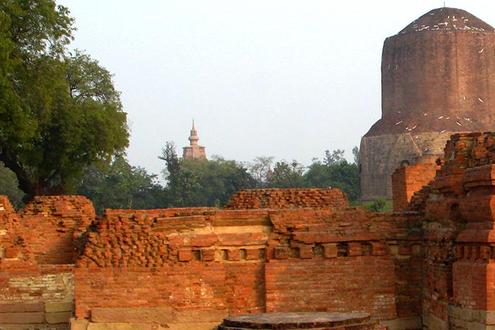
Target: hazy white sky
{"points": [[279, 78]]}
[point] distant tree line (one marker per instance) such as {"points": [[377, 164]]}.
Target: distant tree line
{"points": [[189, 182], [63, 130]]}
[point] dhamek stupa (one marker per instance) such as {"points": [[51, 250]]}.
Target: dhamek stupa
{"points": [[438, 77]]}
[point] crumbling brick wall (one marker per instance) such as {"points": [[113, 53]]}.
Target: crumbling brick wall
{"points": [[53, 226], [288, 198], [37, 248], [456, 211], [193, 266], [210, 263]]}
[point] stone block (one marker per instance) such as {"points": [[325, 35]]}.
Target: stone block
{"points": [[193, 326], [487, 317], [53, 307], [403, 323], [22, 318], [80, 324], [200, 316], [160, 315], [19, 307], [454, 312], [433, 322], [58, 317], [121, 326], [466, 314]]}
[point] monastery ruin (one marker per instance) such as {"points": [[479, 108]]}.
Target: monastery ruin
{"points": [[430, 264]]}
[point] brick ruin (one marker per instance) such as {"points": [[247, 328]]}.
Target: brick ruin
{"points": [[427, 265]]}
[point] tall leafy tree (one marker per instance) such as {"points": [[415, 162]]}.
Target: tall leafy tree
{"points": [[121, 186], [336, 172], [287, 175], [59, 112], [201, 182], [261, 170], [10, 187]]}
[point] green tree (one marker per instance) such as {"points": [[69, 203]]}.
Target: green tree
{"points": [[10, 187], [334, 157], [122, 186], [355, 154], [201, 182], [335, 172], [287, 175], [59, 112], [261, 170]]}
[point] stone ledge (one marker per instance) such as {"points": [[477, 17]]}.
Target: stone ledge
{"points": [[22, 318]]}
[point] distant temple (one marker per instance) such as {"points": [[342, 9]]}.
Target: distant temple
{"points": [[194, 150]]}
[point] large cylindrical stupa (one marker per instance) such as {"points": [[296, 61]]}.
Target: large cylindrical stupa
{"points": [[438, 77]]}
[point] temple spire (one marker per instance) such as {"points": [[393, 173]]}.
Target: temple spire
{"points": [[194, 150]]}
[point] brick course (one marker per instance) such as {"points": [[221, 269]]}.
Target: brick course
{"points": [[191, 267]]}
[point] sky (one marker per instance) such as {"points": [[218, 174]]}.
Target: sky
{"points": [[282, 78]]}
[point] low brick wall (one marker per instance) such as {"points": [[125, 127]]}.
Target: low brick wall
{"points": [[288, 198], [431, 267], [203, 264]]}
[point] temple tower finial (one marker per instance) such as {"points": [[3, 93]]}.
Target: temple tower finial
{"points": [[194, 150]]}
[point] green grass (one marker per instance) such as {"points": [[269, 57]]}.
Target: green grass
{"points": [[371, 205]]}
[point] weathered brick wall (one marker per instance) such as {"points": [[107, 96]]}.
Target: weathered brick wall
{"points": [[199, 264], [288, 198], [37, 247], [11, 243], [191, 267], [53, 225], [408, 180], [210, 263], [458, 222], [330, 260]]}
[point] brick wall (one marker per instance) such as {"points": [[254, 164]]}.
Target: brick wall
{"points": [[37, 248], [288, 198], [431, 267], [53, 225], [458, 224], [210, 263], [408, 180]]}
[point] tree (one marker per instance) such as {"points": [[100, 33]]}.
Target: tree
{"points": [[355, 154], [334, 157], [178, 181], [59, 112], [121, 186], [335, 172], [260, 170], [285, 175], [201, 182], [212, 182], [10, 187]]}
